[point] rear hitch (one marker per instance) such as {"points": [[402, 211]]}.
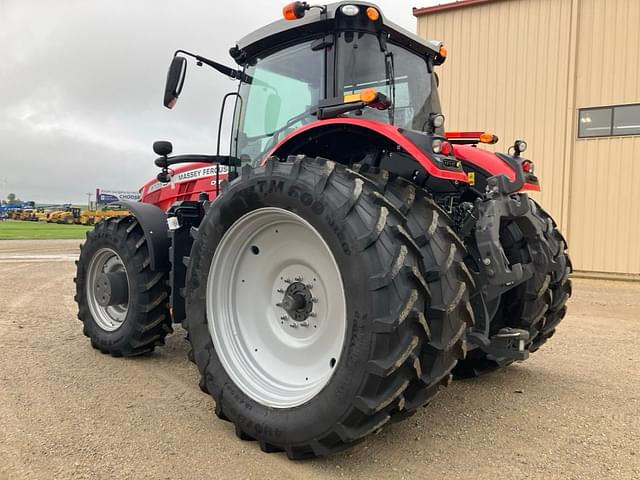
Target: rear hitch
{"points": [[506, 346], [494, 273], [503, 202]]}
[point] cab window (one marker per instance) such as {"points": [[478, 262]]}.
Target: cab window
{"points": [[282, 90], [404, 78]]}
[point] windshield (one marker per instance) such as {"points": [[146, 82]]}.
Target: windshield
{"points": [[284, 88], [363, 65]]}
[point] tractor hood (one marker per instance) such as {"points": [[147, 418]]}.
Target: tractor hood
{"points": [[331, 19]]}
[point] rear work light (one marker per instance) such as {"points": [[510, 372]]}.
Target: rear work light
{"points": [[437, 120], [350, 10], [520, 146]]}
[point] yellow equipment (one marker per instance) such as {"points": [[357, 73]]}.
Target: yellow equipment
{"points": [[88, 217], [24, 214], [53, 216], [42, 215], [109, 212], [71, 216]]}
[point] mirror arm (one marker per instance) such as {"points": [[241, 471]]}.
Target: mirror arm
{"points": [[230, 72], [164, 162]]}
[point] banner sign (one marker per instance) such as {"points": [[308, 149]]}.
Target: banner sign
{"points": [[109, 196]]}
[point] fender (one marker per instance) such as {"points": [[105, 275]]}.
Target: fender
{"points": [[391, 132], [154, 225], [491, 164]]}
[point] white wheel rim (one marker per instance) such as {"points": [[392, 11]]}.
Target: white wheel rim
{"points": [[111, 317], [276, 360]]}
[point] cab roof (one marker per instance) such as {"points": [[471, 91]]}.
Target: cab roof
{"points": [[316, 22]]}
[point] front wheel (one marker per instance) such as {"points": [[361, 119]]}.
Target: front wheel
{"points": [[122, 303], [320, 306]]}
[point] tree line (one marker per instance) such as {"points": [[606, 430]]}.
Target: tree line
{"points": [[10, 199]]}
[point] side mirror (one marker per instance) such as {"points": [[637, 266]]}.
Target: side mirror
{"points": [[175, 80]]}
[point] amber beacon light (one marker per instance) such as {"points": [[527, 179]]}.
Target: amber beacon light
{"points": [[294, 10], [373, 14], [489, 138], [367, 96]]}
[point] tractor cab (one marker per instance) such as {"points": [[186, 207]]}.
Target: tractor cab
{"points": [[320, 63], [345, 60]]}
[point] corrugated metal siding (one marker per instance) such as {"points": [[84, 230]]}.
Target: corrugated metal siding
{"points": [[521, 68], [604, 223], [507, 72]]}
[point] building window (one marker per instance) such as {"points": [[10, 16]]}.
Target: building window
{"points": [[595, 122], [626, 120], [609, 121]]}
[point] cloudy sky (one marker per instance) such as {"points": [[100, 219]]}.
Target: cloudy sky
{"points": [[81, 85]]}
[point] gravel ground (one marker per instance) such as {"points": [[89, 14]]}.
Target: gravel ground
{"points": [[572, 411]]}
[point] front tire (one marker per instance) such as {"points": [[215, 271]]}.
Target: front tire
{"points": [[140, 319], [403, 288]]}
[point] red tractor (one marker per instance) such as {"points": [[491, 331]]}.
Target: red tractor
{"points": [[347, 258]]}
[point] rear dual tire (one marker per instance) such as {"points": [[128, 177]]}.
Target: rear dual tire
{"points": [[404, 289], [537, 305]]}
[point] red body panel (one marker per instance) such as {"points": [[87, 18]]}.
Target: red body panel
{"points": [[489, 162], [191, 179], [187, 183], [389, 131]]}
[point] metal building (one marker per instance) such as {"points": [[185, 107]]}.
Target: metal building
{"points": [[564, 75]]}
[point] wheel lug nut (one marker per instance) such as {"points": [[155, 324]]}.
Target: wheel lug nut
{"points": [[287, 280], [278, 304], [293, 325], [314, 299], [280, 290], [284, 317], [309, 286], [304, 324], [298, 278], [312, 314]]}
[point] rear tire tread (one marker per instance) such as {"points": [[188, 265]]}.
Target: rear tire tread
{"points": [[423, 344]]}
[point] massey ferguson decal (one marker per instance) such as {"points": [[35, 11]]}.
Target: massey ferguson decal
{"points": [[188, 176]]}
